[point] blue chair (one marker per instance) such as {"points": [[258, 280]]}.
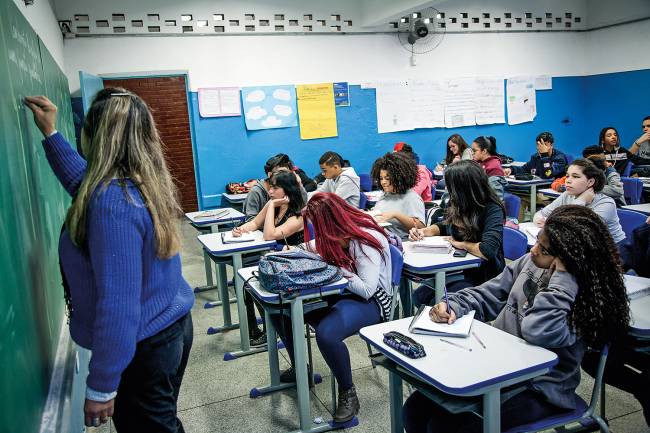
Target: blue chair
{"points": [[628, 169], [632, 189], [363, 201], [441, 184], [365, 182], [515, 243], [583, 414], [310, 228], [630, 220], [513, 204]]}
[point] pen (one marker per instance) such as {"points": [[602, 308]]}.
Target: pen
{"points": [[447, 300], [479, 340], [469, 349]]}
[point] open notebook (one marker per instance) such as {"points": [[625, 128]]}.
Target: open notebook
{"points": [[219, 213], [228, 238], [433, 244], [422, 324]]}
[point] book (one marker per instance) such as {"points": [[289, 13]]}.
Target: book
{"points": [[636, 287], [422, 324], [218, 213], [229, 238], [433, 244]]}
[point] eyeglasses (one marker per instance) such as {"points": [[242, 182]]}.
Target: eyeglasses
{"points": [[543, 250]]}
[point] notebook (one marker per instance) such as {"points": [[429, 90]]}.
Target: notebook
{"points": [[212, 214], [228, 238], [422, 324], [433, 244], [636, 287]]}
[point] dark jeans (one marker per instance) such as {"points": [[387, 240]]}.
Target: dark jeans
{"points": [[249, 302], [148, 392], [343, 317], [425, 295], [421, 415]]}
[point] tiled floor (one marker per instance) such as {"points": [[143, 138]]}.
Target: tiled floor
{"points": [[215, 393]]}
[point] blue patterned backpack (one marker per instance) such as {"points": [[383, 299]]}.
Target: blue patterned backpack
{"points": [[288, 272]]}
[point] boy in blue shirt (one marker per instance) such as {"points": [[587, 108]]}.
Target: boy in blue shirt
{"points": [[547, 162]]}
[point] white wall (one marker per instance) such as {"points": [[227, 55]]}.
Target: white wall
{"points": [[42, 19], [252, 60], [620, 48]]}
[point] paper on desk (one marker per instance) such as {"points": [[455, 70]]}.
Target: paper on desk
{"points": [[432, 244], [228, 237], [534, 231], [422, 324], [212, 214]]}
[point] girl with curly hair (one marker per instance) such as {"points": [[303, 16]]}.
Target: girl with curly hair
{"points": [[567, 294], [397, 174]]}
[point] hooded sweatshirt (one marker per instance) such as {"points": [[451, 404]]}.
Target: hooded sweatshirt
{"points": [[492, 166], [346, 185]]}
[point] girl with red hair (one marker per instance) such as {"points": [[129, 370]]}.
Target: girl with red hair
{"points": [[350, 239]]}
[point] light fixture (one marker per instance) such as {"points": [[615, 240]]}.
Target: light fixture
{"points": [[427, 21], [416, 15], [438, 16], [404, 20]]}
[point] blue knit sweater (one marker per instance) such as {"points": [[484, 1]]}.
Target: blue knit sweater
{"points": [[121, 291]]}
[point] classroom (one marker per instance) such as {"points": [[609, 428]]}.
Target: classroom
{"points": [[478, 171]]}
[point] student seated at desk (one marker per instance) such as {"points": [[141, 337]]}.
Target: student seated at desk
{"points": [[474, 221], [615, 154], [547, 162], [350, 239], [485, 153], [397, 174], [457, 150], [342, 181], [280, 220], [641, 146], [425, 177], [567, 294], [259, 193], [584, 185], [613, 184]]}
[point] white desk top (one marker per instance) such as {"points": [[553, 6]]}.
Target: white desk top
{"points": [[523, 227], [514, 164], [260, 293], [639, 306], [229, 214], [423, 262], [643, 208], [374, 196], [550, 192], [212, 243], [512, 181], [235, 198], [458, 371]]}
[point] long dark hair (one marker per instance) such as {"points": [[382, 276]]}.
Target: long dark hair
{"points": [[591, 171], [401, 169], [281, 160], [487, 143], [460, 142], [601, 136], [469, 192], [580, 239], [287, 181]]}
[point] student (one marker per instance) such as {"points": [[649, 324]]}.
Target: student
{"points": [[403, 146], [457, 150], [616, 155], [350, 239], [319, 178], [613, 184], [641, 145], [307, 182], [397, 174], [474, 221], [128, 301], [485, 153], [566, 294], [425, 177], [280, 220], [584, 185], [259, 193], [343, 182], [547, 162]]}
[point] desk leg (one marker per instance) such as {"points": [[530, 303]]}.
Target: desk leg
{"points": [[206, 262], [222, 285], [241, 311], [396, 402], [440, 286], [492, 411], [533, 201], [406, 296], [299, 349]]}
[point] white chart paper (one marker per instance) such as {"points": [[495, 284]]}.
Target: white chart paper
{"points": [[522, 105], [393, 107], [490, 101], [219, 101], [427, 103], [460, 107], [543, 82]]}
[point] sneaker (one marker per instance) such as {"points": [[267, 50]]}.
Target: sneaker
{"points": [[258, 340], [347, 406], [288, 375]]}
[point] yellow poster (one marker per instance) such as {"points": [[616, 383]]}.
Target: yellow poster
{"points": [[316, 111]]}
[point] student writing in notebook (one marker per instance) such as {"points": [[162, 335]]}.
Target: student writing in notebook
{"points": [[567, 294], [457, 150]]}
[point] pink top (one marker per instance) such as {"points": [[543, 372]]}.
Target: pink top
{"points": [[423, 186]]}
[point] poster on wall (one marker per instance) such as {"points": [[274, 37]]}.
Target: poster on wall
{"points": [[490, 101], [341, 94], [522, 104], [219, 101], [543, 82], [427, 103], [393, 108], [460, 104], [316, 111], [267, 107]]}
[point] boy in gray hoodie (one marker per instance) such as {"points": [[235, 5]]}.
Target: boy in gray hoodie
{"points": [[342, 181]]}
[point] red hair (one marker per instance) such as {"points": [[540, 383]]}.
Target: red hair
{"points": [[333, 220]]}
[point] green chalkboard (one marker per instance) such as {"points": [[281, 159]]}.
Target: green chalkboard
{"points": [[32, 208]]}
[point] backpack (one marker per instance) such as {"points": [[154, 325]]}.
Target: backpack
{"points": [[289, 272], [240, 187]]}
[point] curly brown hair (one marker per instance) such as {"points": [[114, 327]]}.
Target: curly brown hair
{"points": [[401, 169], [580, 239]]}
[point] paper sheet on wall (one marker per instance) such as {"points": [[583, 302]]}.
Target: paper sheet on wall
{"points": [[393, 107], [543, 82], [219, 101], [460, 107], [316, 111], [342, 94], [490, 101], [269, 106], [522, 105], [427, 103]]}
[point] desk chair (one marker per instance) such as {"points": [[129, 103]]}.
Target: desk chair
{"points": [[513, 204], [632, 189], [582, 414], [363, 201], [515, 243], [365, 182], [628, 169], [630, 220], [397, 261]]}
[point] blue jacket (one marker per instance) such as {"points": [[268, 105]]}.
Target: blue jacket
{"points": [[546, 167]]}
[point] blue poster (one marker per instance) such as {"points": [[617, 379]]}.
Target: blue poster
{"points": [[267, 107], [341, 95]]}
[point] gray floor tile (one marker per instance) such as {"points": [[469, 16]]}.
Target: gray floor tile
{"points": [[632, 423]]}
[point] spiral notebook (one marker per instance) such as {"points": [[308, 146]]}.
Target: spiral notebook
{"points": [[228, 238], [422, 324]]}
